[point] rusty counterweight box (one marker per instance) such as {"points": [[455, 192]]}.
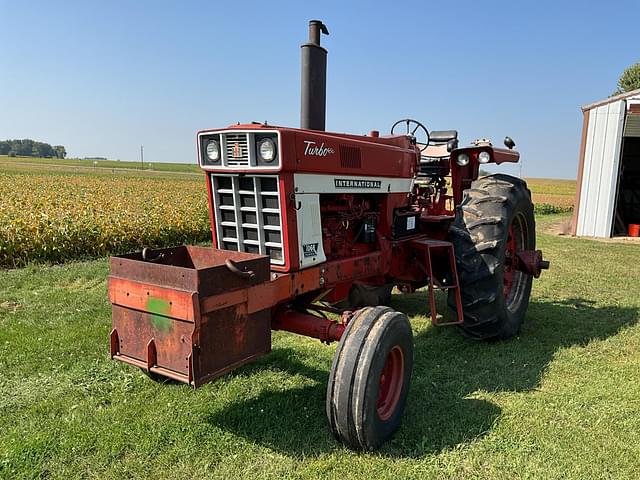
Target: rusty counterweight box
{"points": [[156, 312]]}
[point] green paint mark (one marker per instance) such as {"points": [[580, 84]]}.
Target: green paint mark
{"points": [[159, 310]]}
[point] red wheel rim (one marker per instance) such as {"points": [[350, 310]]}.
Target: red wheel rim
{"points": [[391, 381], [514, 280], [511, 250]]}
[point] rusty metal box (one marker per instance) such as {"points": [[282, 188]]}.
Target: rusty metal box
{"points": [[163, 320]]}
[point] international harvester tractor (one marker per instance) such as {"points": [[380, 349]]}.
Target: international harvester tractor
{"points": [[311, 232]]}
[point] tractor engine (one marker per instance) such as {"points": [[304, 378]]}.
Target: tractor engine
{"points": [[349, 224]]}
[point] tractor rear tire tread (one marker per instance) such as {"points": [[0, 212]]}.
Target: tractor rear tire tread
{"points": [[484, 221], [479, 244]]}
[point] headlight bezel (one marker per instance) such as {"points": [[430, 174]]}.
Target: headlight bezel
{"points": [[484, 157], [258, 139], [274, 150], [213, 142], [205, 160], [463, 159]]}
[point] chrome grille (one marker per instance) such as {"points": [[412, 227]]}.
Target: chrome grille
{"points": [[247, 215], [236, 149]]}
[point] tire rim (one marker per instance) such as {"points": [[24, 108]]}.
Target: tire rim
{"points": [[514, 280], [391, 381]]}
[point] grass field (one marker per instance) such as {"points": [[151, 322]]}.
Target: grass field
{"points": [[562, 400]]}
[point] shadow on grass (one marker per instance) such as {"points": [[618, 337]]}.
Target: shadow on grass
{"points": [[449, 371]]}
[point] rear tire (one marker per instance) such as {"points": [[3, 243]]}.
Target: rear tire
{"points": [[493, 222], [370, 378]]}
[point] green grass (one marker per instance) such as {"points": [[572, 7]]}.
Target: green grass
{"points": [[562, 400], [95, 165]]}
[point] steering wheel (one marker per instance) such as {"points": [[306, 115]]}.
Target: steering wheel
{"points": [[409, 122]]}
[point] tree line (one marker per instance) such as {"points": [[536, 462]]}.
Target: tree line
{"points": [[30, 148], [629, 80]]}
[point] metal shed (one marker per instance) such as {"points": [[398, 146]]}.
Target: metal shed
{"points": [[608, 186]]}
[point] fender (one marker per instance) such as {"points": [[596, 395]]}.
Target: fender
{"points": [[462, 176]]}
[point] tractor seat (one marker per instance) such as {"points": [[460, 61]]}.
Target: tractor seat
{"points": [[434, 159], [442, 136], [435, 151]]}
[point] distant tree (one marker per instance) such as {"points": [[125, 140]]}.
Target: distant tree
{"points": [[629, 80], [30, 148], [23, 147], [45, 150], [60, 151]]}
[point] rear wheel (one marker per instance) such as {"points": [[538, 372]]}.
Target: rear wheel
{"points": [[493, 223], [370, 378]]}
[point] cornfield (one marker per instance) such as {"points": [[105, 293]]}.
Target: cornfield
{"points": [[549, 203], [55, 217], [552, 195], [58, 216]]}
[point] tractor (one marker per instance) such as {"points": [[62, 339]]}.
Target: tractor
{"points": [[311, 231]]}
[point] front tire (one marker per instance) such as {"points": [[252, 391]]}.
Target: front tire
{"points": [[494, 221], [370, 378]]}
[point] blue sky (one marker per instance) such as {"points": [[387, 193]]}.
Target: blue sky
{"points": [[104, 77]]}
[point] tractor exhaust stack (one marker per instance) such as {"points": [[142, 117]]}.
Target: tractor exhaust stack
{"points": [[314, 79]]}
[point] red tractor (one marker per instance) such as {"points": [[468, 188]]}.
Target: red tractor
{"points": [[311, 231]]}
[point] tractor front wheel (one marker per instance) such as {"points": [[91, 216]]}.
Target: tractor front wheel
{"points": [[494, 222], [370, 378]]}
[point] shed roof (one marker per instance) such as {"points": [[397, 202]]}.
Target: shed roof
{"points": [[615, 98]]}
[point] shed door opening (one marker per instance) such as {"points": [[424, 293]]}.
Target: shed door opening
{"points": [[628, 198]]}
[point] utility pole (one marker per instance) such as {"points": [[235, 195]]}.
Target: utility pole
{"points": [[142, 156]]}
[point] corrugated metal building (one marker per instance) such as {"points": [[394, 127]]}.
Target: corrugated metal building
{"points": [[608, 189]]}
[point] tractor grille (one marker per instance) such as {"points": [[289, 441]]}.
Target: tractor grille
{"points": [[236, 149], [247, 215]]}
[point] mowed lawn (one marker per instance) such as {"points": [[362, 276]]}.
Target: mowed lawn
{"points": [[562, 400]]}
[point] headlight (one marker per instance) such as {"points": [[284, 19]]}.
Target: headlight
{"points": [[484, 157], [267, 150], [463, 160], [213, 151]]}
